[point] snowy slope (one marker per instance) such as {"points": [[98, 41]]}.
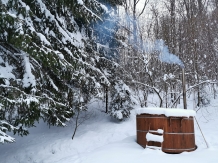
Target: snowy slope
{"points": [[103, 140]]}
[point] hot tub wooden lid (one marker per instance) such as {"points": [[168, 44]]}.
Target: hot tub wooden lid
{"points": [[168, 112]]}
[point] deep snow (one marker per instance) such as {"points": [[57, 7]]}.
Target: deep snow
{"points": [[101, 139]]}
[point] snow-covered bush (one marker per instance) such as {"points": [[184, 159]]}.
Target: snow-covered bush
{"points": [[122, 101]]}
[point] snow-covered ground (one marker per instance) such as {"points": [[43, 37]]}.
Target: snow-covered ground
{"points": [[101, 139]]}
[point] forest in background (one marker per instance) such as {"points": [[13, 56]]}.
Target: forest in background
{"points": [[58, 55]]}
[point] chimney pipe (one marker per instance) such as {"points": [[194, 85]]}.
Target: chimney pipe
{"points": [[184, 89]]}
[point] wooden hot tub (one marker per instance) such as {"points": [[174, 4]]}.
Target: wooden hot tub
{"points": [[177, 126]]}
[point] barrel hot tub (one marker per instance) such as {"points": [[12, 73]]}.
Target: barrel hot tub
{"points": [[176, 126]]}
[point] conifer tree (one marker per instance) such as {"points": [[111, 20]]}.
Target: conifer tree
{"points": [[52, 54]]}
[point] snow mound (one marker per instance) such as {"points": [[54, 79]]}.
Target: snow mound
{"points": [[169, 112], [156, 138]]}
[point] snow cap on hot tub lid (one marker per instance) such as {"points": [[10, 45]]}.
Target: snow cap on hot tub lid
{"points": [[169, 112]]}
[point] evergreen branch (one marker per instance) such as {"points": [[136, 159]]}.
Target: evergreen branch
{"points": [[37, 97]]}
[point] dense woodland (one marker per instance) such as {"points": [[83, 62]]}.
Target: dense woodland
{"points": [[56, 56]]}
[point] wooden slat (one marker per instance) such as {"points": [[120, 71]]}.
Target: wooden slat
{"points": [[141, 138]]}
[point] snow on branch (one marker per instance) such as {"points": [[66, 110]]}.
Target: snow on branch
{"points": [[80, 2], [191, 87], [6, 138], [3, 136], [28, 77]]}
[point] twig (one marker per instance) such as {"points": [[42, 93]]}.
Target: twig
{"points": [[202, 133], [207, 81]]}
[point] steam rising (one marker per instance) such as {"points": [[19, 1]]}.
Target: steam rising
{"points": [[164, 54], [105, 31]]}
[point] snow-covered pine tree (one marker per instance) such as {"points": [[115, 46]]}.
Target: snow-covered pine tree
{"points": [[47, 64]]}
